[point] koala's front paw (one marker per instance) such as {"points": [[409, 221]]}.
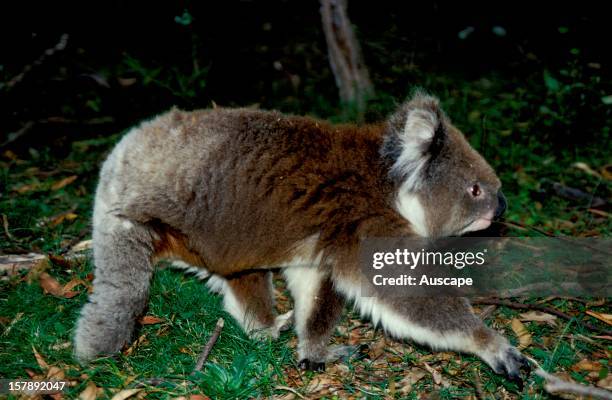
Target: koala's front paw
{"points": [[509, 361], [309, 365]]}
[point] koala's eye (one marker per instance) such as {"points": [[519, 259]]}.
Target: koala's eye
{"points": [[475, 190]]}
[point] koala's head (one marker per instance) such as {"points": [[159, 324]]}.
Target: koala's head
{"points": [[444, 187]]}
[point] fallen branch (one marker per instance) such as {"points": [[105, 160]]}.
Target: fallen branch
{"points": [[208, 347], [577, 195], [12, 263], [555, 384], [539, 307]]}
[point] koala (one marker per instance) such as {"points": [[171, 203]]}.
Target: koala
{"points": [[237, 193]]}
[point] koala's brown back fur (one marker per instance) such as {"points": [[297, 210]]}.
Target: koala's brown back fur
{"points": [[264, 183]]}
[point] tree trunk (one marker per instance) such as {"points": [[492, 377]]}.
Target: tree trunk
{"points": [[345, 55]]}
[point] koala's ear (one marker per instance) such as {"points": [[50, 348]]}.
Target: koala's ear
{"points": [[415, 133], [423, 121]]}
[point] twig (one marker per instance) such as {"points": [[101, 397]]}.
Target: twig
{"points": [[59, 46], [487, 311], [16, 135], [208, 347], [539, 307], [292, 390], [480, 394], [554, 384], [156, 382]]}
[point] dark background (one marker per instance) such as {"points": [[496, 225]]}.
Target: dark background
{"points": [[237, 44]]}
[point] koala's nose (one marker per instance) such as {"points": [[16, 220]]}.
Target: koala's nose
{"points": [[501, 204]]}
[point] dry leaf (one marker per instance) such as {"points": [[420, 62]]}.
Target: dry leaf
{"points": [[65, 216], [413, 376], [90, 392], [31, 373], [60, 261], [10, 155], [125, 394], [63, 182], [598, 212], [596, 303], [27, 188], [606, 172], [538, 316], [51, 285], [68, 292], [81, 246], [521, 333], [150, 320], [56, 396], [586, 365], [61, 346], [126, 81], [74, 283], [378, 348], [71, 294], [604, 337], [607, 318], [319, 383], [141, 340], [586, 168], [606, 382], [40, 360], [391, 385], [437, 376], [56, 373]]}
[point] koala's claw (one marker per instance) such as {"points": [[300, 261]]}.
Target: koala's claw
{"points": [[309, 365], [510, 363]]}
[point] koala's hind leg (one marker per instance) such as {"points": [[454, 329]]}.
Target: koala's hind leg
{"points": [[249, 298], [317, 310], [122, 254]]}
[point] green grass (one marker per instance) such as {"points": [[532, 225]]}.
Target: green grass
{"points": [[169, 348]]}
